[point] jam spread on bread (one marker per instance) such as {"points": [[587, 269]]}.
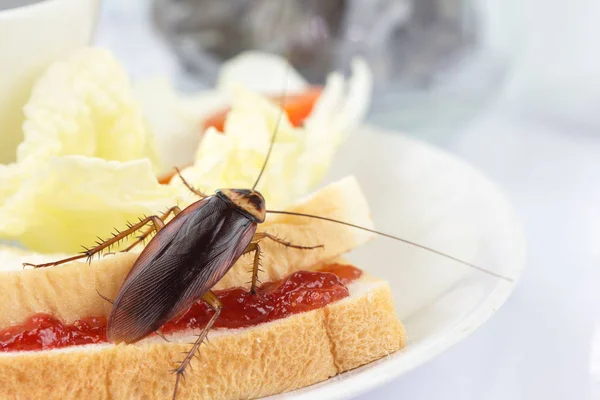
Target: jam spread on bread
{"points": [[299, 292], [43, 331]]}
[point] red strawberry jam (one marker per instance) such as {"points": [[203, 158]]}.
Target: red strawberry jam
{"points": [[43, 331], [301, 291]]}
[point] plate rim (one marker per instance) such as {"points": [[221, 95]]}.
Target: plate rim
{"points": [[382, 371]]}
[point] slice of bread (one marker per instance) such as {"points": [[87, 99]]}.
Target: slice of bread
{"points": [[271, 358], [68, 291]]}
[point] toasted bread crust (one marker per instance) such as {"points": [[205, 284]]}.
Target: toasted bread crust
{"points": [[68, 291], [271, 358]]}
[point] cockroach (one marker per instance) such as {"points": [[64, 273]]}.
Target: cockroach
{"points": [[189, 254]]}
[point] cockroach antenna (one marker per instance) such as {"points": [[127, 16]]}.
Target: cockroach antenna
{"points": [[277, 124], [429, 249]]}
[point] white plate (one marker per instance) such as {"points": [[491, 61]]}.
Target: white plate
{"points": [[429, 196]]}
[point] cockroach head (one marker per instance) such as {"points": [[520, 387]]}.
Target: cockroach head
{"points": [[249, 201]]}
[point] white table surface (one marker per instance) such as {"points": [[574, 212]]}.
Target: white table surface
{"points": [[541, 343]]}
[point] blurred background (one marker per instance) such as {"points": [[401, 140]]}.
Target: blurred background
{"points": [[436, 62]]}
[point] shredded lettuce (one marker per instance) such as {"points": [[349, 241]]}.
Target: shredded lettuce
{"points": [[89, 159], [85, 106], [70, 200], [301, 156]]}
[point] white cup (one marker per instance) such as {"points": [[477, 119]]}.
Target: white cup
{"points": [[33, 34]]}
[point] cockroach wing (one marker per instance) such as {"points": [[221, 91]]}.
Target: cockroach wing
{"points": [[181, 263]]}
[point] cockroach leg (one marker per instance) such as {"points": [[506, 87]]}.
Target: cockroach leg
{"points": [[89, 253], [213, 301], [174, 210], [253, 246], [265, 235], [190, 187], [255, 265], [65, 260]]}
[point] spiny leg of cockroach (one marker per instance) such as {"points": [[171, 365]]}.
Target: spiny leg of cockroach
{"points": [[213, 301], [190, 187], [157, 223], [174, 210], [255, 265], [253, 246]]}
